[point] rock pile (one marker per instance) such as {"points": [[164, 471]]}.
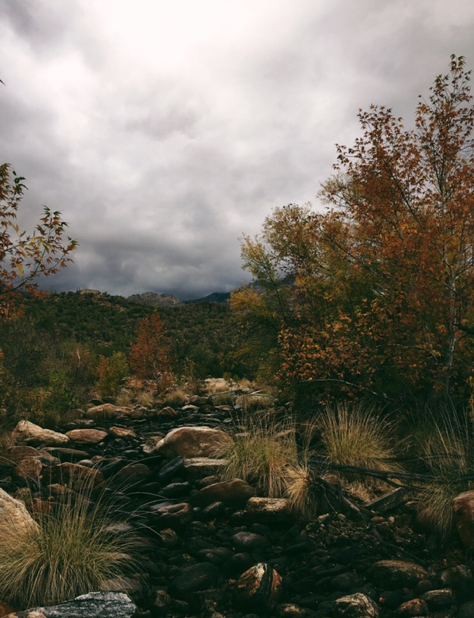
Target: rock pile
{"points": [[214, 548]]}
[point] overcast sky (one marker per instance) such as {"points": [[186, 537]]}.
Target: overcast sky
{"points": [[164, 130]]}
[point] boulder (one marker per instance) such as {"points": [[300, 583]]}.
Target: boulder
{"points": [[174, 516], [464, 517], [29, 433], [258, 589], [73, 475], [232, 493], [14, 516], [391, 574], [193, 442], [28, 470], [356, 605], [86, 436], [122, 432], [12, 456], [130, 475], [266, 510], [107, 410], [91, 605], [194, 578]]}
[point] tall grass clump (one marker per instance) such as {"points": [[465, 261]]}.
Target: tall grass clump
{"points": [[354, 436], [445, 451], [262, 448], [66, 554]]}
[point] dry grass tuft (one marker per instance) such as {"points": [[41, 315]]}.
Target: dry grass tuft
{"points": [[224, 399], [67, 554], [176, 398], [253, 402], [445, 450], [262, 448], [353, 436]]}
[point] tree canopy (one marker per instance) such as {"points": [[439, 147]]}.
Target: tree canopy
{"points": [[375, 295]]}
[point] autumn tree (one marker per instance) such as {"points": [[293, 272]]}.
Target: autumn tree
{"points": [[26, 257], [111, 372], [379, 289], [149, 354]]}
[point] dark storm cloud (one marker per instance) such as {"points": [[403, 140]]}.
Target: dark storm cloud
{"points": [[164, 131]]}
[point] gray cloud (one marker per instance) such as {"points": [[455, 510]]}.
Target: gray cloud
{"points": [[163, 131]]}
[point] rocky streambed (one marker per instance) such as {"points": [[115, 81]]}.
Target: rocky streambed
{"points": [[216, 549]]}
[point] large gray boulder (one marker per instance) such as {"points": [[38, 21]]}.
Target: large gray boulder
{"points": [[193, 442], [29, 433], [92, 605]]}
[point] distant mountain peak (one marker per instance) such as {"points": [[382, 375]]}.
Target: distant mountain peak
{"points": [[153, 299]]}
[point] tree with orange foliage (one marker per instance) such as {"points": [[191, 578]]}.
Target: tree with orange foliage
{"points": [[150, 357], [25, 257], [380, 288]]}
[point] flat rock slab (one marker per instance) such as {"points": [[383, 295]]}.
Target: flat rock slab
{"points": [[86, 436], [391, 574], [199, 467], [107, 410], [29, 433], [92, 605]]}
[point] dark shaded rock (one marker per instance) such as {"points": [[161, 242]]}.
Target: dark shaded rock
{"points": [[413, 607], [130, 475], [391, 574], [466, 610], [391, 598], [194, 578], [248, 541], [232, 493], [216, 555], [73, 475], [355, 606], [174, 490], [175, 516], [161, 602], [459, 578], [237, 564], [439, 599], [171, 469], [28, 470], [259, 588], [11, 457]]}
